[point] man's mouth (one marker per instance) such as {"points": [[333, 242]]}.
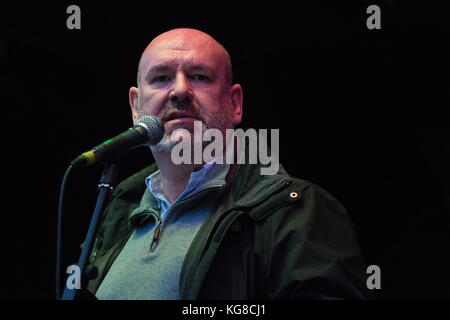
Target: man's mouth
{"points": [[180, 116]]}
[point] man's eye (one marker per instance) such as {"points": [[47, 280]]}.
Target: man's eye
{"points": [[199, 77], [161, 79]]}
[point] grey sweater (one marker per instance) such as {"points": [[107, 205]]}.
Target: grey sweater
{"points": [[148, 269]]}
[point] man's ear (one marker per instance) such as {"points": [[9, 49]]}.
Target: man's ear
{"points": [[236, 101], [133, 97]]}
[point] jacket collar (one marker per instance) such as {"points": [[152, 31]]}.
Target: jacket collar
{"points": [[249, 189]]}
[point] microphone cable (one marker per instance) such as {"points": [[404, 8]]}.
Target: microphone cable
{"points": [[59, 232]]}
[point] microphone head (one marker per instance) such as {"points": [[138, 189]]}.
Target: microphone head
{"points": [[154, 127]]}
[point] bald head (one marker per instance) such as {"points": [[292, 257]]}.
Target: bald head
{"points": [[186, 39], [186, 71]]}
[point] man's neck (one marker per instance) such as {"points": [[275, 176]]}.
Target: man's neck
{"points": [[174, 177]]}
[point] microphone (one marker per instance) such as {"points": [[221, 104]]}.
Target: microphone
{"points": [[148, 130]]}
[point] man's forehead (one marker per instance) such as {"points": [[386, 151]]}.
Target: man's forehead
{"points": [[182, 41], [194, 46]]}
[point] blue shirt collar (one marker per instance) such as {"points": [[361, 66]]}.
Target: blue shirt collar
{"points": [[210, 174]]}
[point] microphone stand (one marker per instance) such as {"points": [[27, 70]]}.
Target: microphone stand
{"points": [[106, 185]]}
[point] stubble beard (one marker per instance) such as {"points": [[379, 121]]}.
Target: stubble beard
{"points": [[220, 121]]}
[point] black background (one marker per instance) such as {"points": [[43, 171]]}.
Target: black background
{"points": [[363, 113]]}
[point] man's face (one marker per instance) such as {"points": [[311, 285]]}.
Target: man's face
{"points": [[182, 80]]}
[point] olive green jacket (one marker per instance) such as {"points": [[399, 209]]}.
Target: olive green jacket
{"points": [[276, 237]]}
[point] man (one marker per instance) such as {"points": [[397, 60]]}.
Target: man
{"points": [[210, 230]]}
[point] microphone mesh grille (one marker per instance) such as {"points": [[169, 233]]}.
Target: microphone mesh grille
{"points": [[154, 127]]}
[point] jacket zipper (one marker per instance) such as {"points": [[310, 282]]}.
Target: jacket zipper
{"points": [[159, 223], [156, 235]]}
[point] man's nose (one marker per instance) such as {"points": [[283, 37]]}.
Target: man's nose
{"points": [[181, 93]]}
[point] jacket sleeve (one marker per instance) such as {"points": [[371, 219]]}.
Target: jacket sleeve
{"points": [[313, 252]]}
